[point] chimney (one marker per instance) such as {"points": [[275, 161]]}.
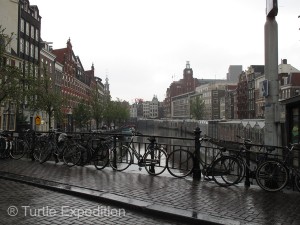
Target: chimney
{"points": [[284, 61]]}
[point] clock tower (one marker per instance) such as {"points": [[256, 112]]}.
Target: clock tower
{"points": [[187, 72]]}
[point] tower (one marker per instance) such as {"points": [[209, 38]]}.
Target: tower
{"points": [[187, 72], [106, 87]]}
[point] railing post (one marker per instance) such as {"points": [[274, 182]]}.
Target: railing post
{"points": [[115, 152], [152, 146], [196, 169], [247, 175]]}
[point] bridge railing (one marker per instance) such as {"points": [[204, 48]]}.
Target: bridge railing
{"points": [[206, 151]]}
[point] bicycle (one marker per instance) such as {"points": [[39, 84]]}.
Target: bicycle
{"points": [[224, 170], [273, 175], [241, 155], [154, 158], [6, 146], [98, 155], [69, 152], [28, 144]]}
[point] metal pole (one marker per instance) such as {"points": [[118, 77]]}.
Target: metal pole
{"points": [[196, 169], [152, 146], [271, 75], [247, 175]]}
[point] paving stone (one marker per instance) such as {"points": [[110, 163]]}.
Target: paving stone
{"points": [[236, 203]]}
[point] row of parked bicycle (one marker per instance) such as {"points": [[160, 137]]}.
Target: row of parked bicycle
{"points": [[225, 167]]}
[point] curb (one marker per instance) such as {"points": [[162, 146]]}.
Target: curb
{"points": [[129, 203]]}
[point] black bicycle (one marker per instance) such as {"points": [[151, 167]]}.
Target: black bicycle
{"points": [[273, 175], [95, 149], [154, 159], [224, 169]]}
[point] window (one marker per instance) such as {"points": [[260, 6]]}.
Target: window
{"points": [[32, 32], [22, 45], [36, 52], [22, 25], [27, 28], [37, 34], [27, 48], [31, 50]]}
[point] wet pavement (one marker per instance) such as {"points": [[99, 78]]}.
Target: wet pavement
{"points": [[24, 204], [176, 200]]}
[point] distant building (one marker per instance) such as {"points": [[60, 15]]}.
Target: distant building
{"points": [[211, 94], [246, 92], [233, 73], [182, 86], [230, 91], [150, 108], [180, 106], [289, 81]]}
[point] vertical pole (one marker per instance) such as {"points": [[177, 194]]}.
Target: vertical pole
{"points": [[115, 152], [196, 169], [152, 148], [271, 74], [247, 178]]}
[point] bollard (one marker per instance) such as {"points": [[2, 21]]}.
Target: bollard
{"points": [[196, 169]]}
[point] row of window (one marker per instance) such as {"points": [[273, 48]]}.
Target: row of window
{"points": [[29, 49], [33, 13], [29, 30]]}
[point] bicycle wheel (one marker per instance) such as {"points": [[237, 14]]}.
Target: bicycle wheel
{"points": [[18, 148], [272, 176], [297, 180], [71, 155], [101, 159], [120, 158], [180, 163], [38, 149], [86, 155], [226, 171], [155, 161], [46, 153]]}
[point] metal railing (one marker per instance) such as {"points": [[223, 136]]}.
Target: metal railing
{"points": [[193, 145]]}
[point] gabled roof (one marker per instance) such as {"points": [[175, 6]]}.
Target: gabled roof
{"points": [[286, 68], [60, 53]]}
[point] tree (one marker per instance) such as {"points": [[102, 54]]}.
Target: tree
{"points": [[116, 112], [10, 76], [45, 98], [197, 107], [82, 114], [97, 108]]}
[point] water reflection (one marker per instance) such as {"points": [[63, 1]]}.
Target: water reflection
{"points": [[170, 137]]}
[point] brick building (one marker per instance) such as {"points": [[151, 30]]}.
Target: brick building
{"points": [[187, 84]]}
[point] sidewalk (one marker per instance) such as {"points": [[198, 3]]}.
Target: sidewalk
{"points": [[180, 199]]}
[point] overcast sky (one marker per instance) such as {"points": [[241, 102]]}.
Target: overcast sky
{"points": [[140, 45]]}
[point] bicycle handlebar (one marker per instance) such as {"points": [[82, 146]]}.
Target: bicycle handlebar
{"points": [[246, 140]]}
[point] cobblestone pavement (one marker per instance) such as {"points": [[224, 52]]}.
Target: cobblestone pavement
{"points": [[24, 204], [234, 205]]}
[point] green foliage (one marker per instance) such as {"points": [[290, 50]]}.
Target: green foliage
{"points": [[82, 114], [10, 76], [44, 97], [197, 108], [116, 112]]}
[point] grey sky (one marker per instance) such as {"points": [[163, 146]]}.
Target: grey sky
{"points": [[140, 44]]}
